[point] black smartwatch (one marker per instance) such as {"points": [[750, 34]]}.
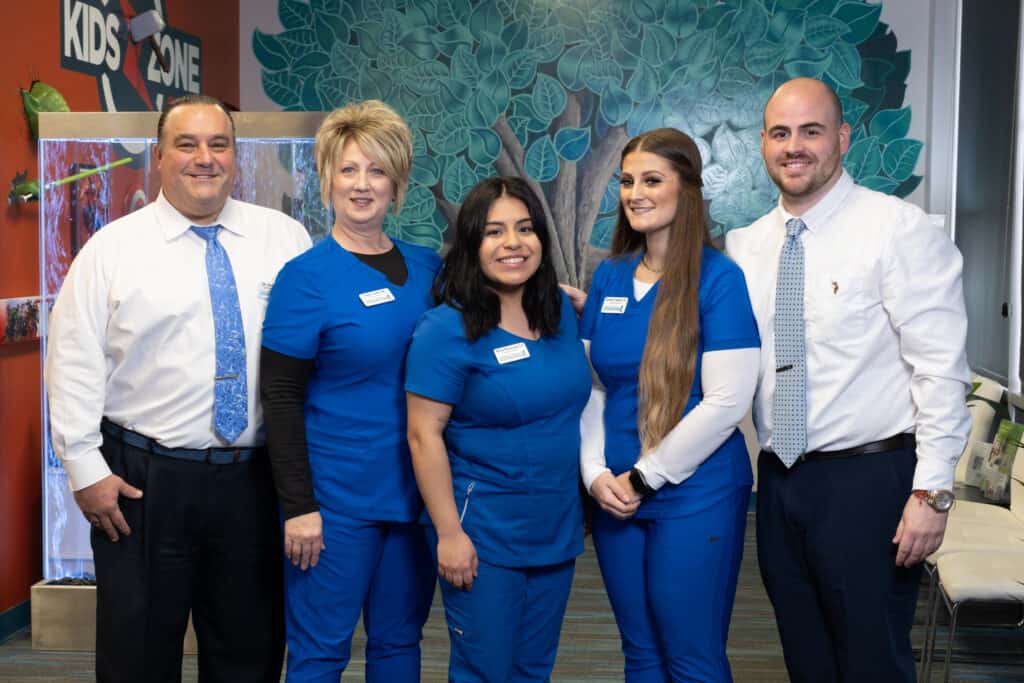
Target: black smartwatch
{"points": [[636, 480]]}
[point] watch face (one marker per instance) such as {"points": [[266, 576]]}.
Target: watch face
{"points": [[941, 500]]}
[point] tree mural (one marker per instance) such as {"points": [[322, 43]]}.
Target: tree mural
{"points": [[552, 89]]}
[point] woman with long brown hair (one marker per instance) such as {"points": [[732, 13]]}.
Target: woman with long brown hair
{"points": [[673, 340]]}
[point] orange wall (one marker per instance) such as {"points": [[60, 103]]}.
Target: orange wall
{"points": [[31, 31]]}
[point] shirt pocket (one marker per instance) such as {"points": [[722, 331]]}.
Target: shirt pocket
{"points": [[837, 308]]}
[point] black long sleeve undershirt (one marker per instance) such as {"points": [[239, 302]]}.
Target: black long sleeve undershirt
{"points": [[283, 381]]}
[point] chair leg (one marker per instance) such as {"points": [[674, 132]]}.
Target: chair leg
{"points": [[931, 622], [953, 613]]}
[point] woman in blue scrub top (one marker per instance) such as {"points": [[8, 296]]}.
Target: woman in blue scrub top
{"points": [[336, 332], [496, 381], [673, 340]]}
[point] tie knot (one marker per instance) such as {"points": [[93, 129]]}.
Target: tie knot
{"points": [[207, 233], [794, 226]]}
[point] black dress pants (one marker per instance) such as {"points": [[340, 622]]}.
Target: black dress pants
{"points": [[824, 543], [204, 538]]}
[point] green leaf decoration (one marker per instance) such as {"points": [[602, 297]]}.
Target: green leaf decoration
{"points": [[900, 158], [519, 68], [294, 14], [486, 20], [548, 98], [542, 160], [491, 53], [420, 41], [515, 35], [861, 18], [647, 11], [449, 140], [658, 45], [864, 159], [484, 146], [726, 147], [879, 184], [890, 124], [908, 186], [763, 58], [601, 234], [680, 17], [616, 105], [822, 31], [546, 43], [853, 110], [425, 170], [281, 86], [452, 12], [643, 85], [572, 143], [419, 205], [807, 62], [844, 68], [464, 66], [457, 181], [752, 23], [447, 42], [41, 97], [269, 51], [786, 28]]}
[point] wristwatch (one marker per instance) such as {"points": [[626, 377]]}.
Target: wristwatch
{"points": [[636, 480], [941, 500]]}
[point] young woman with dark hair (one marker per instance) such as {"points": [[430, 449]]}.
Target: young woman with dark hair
{"points": [[496, 379], [673, 339]]}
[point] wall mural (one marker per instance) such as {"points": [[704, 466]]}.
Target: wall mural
{"points": [[552, 90]]}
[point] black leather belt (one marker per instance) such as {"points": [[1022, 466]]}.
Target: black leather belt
{"points": [[898, 442], [213, 456]]}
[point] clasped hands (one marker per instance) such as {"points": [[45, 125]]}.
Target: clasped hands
{"points": [[615, 495]]}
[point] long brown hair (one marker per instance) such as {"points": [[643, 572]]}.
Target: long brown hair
{"points": [[670, 355]]}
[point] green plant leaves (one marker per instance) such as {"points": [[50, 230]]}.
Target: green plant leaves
{"points": [[542, 160], [572, 143]]}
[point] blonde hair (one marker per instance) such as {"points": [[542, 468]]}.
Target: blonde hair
{"points": [[670, 355], [381, 134]]}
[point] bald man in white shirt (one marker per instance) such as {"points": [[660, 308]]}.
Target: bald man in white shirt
{"points": [[860, 409], [180, 498]]}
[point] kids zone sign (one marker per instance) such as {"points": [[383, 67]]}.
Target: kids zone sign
{"points": [[96, 39]]}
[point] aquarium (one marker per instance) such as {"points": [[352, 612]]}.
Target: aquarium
{"points": [[97, 167]]}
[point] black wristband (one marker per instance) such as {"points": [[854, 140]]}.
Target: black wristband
{"points": [[636, 480]]}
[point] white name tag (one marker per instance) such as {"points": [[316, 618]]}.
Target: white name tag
{"points": [[614, 304], [263, 289], [376, 297], [511, 353]]}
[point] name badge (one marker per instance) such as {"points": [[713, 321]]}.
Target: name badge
{"points": [[263, 289], [511, 353], [614, 304], [377, 297]]}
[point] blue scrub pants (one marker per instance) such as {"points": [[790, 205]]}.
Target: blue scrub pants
{"points": [[671, 583], [506, 628], [383, 569]]}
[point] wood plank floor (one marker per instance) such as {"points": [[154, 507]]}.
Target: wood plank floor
{"points": [[589, 649]]}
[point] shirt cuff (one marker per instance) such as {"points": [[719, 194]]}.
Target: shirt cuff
{"points": [[590, 471], [652, 475], [931, 474], [86, 470]]}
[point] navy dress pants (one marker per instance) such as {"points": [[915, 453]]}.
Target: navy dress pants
{"points": [[824, 543], [204, 538]]}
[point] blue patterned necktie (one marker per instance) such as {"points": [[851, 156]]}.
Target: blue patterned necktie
{"points": [[789, 410], [230, 395]]}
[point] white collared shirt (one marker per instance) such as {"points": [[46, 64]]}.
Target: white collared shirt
{"points": [[131, 334], [885, 324]]}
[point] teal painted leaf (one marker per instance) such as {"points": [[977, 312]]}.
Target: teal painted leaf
{"points": [[419, 204], [657, 46], [900, 158], [569, 67], [601, 233], [807, 62], [572, 21], [345, 60], [457, 181], [486, 19], [876, 71], [491, 52], [515, 35], [420, 41], [546, 43], [542, 160], [879, 184], [624, 54], [763, 58], [312, 60], [519, 125], [426, 78], [646, 116], [698, 49], [324, 32], [822, 31], [281, 86], [861, 18], [751, 23], [616, 105], [269, 51], [374, 85], [368, 34], [483, 111], [735, 83], [452, 12], [864, 158], [643, 85], [464, 66], [484, 146], [821, 7], [610, 196], [447, 42], [519, 68], [548, 98], [294, 14], [727, 148], [890, 124], [423, 234], [646, 10], [680, 17], [425, 170], [853, 109], [310, 95], [326, 6], [572, 143], [335, 92], [786, 28], [496, 87], [704, 74], [908, 186], [600, 74], [449, 139], [845, 65]]}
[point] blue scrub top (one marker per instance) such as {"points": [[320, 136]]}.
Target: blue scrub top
{"points": [[355, 400], [513, 437], [617, 343]]}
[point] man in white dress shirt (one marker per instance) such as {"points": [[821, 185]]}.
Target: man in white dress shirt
{"points": [[183, 517], [860, 408]]}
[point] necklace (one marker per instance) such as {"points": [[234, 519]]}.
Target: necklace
{"points": [[648, 266]]}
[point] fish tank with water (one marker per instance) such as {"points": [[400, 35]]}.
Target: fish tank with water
{"points": [[97, 167]]}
